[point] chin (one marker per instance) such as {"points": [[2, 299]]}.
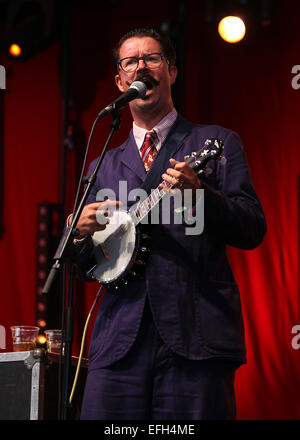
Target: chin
{"points": [[145, 103]]}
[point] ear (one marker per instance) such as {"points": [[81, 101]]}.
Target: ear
{"points": [[119, 83], [173, 74]]}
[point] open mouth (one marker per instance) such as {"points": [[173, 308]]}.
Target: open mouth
{"points": [[148, 83], [148, 80]]}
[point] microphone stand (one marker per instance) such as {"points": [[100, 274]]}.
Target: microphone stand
{"points": [[64, 254]]}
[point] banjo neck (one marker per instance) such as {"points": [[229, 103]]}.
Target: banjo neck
{"points": [[197, 160], [142, 208]]}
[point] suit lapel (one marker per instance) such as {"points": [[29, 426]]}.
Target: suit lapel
{"points": [[131, 158], [180, 130]]}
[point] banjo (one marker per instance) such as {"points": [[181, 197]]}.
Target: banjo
{"points": [[121, 249]]}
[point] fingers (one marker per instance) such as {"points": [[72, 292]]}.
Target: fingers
{"points": [[106, 204], [105, 210], [177, 176], [181, 176], [95, 216]]}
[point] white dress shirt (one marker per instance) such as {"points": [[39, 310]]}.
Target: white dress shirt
{"points": [[161, 129]]}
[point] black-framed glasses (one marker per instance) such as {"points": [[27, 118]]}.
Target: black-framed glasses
{"points": [[152, 60]]}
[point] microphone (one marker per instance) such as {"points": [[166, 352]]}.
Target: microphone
{"points": [[137, 89]]}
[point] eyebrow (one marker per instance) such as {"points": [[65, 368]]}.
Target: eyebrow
{"points": [[137, 56]]}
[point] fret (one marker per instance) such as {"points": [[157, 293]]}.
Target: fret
{"points": [[155, 196], [142, 209], [136, 214], [148, 202]]}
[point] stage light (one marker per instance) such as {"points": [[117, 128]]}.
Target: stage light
{"points": [[41, 323], [232, 29], [15, 50], [48, 236], [30, 27], [41, 339]]}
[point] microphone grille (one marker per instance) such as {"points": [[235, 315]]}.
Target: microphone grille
{"points": [[140, 87]]}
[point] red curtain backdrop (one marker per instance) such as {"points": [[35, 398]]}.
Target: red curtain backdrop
{"points": [[246, 87]]}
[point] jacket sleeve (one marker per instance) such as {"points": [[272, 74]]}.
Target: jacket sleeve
{"points": [[232, 210], [85, 260]]}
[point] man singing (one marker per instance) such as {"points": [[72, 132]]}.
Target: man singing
{"points": [[166, 345]]}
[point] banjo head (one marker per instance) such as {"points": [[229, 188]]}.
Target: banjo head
{"points": [[114, 248]]}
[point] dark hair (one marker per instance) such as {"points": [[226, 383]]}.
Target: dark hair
{"points": [[165, 42]]}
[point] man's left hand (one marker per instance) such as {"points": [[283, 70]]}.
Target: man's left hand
{"points": [[181, 176]]}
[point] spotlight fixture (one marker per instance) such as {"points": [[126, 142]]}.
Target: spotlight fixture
{"points": [[236, 18], [14, 50], [30, 27], [232, 29]]}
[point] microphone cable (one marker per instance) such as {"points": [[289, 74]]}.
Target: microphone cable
{"points": [[99, 296]]}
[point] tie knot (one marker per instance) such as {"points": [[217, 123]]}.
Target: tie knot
{"points": [[150, 136]]}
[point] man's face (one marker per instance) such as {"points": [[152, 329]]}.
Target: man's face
{"points": [[159, 97]]}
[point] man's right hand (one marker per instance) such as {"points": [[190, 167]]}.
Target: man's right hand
{"points": [[94, 217]]}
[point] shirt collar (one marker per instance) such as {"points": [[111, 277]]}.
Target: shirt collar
{"points": [[162, 129]]}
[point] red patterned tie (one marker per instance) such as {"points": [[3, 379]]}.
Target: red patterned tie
{"points": [[148, 150]]}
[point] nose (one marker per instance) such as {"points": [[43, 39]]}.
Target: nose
{"points": [[141, 65]]}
